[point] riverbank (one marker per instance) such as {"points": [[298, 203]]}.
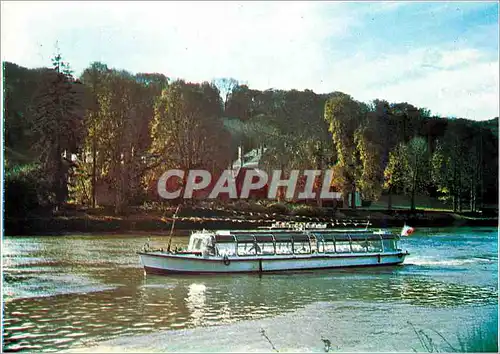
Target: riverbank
{"points": [[193, 218]]}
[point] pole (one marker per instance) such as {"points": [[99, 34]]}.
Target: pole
{"points": [[172, 228]]}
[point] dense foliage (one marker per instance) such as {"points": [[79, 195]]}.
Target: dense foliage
{"points": [[106, 137]]}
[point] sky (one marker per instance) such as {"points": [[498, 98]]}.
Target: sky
{"points": [[439, 55]]}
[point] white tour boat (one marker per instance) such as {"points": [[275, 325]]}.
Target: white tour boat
{"points": [[277, 249]]}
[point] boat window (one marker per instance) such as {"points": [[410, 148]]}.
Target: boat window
{"points": [[224, 238], [314, 244], [245, 238], [375, 246], [336, 237], [301, 247], [283, 243], [390, 245], [321, 246], [388, 236], [265, 248], [197, 244], [329, 246], [284, 247], [359, 246], [343, 246], [228, 249], [264, 238], [246, 248]]}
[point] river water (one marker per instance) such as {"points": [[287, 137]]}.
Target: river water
{"points": [[89, 293]]}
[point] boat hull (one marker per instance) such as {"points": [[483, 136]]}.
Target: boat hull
{"points": [[163, 263]]}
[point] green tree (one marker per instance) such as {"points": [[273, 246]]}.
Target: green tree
{"points": [[344, 116], [114, 156], [408, 168], [58, 122], [457, 163], [20, 85], [93, 79], [395, 178], [370, 146]]}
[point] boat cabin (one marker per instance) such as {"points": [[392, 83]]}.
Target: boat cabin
{"points": [[253, 243]]}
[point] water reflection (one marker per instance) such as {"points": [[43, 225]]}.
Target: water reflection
{"points": [[195, 300], [158, 302]]}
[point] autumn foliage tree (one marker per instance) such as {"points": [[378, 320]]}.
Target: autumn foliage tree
{"points": [[344, 116], [187, 131]]}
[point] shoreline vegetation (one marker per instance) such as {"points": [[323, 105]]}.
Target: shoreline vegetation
{"points": [[158, 220]]}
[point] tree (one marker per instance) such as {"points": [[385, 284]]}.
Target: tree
{"points": [[126, 109], [226, 86], [370, 147], [120, 108], [93, 79], [408, 168], [394, 173], [187, 130], [242, 102], [291, 127], [58, 121], [344, 116], [408, 120], [20, 86], [457, 163]]}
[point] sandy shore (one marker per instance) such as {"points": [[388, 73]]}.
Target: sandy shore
{"points": [[318, 327]]}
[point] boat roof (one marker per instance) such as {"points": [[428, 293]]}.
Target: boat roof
{"points": [[227, 236]]}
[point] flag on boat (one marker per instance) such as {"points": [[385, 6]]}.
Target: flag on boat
{"points": [[407, 230]]}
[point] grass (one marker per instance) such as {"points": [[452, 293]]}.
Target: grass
{"points": [[422, 202], [479, 338]]}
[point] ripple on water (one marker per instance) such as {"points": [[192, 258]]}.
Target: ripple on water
{"points": [[63, 307]]}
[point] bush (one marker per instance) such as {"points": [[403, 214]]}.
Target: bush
{"points": [[256, 207], [24, 192], [278, 208], [308, 210], [366, 203], [247, 206]]}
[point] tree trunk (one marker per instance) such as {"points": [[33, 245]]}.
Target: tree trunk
{"points": [[353, 198], [454, 185], [481, 172], [94, 170], [345, 200], [281, 191], [471, 201], [319, 201], [412, 206], [459, 191], [389, 200], [413, 190]]}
